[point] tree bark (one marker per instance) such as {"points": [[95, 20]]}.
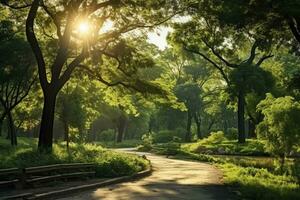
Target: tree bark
{"points": [[11, 129], [198, 124], [241, 117], [46, 128], [188, 135]]}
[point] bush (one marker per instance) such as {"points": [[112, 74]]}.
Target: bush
{"points": [[107, 135], [165, 136], [214, 138], [147, 142], [280, 126], [108, 163], [232, 134]]}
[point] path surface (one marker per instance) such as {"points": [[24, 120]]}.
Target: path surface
{"points": [[171, 179]]}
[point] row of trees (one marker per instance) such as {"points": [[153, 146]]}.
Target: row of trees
{"points": [[221, 62]]}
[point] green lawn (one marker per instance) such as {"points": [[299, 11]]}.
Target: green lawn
{"points": [[253, 177], [108, 163]]}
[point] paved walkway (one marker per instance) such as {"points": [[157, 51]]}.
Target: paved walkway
{"points": [[172, 179]]}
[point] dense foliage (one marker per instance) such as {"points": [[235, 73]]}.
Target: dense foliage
{"points": [[78, 73]]}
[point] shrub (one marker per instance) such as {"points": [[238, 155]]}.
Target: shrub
{"points": [[280, 126], [107, 135], [147, 142], [232, 134], [214, 138], [108, 163], [163, 136]]}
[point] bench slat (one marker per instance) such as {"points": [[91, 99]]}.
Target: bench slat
{"points": [[69, 175], [9, 171], [2, 183], [58, 166]]}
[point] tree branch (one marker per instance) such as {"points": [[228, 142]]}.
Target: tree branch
{"points": [[210, 61], [262, 59], [294, 27], [219, 55], [34, 43], [67, 74], [6, 3], [252, 56]]}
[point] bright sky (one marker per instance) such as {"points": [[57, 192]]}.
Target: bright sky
{"points": [[159, 37]]}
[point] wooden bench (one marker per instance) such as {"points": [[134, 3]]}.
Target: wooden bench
{"points": [[28, 177], [9, 177], [33, 175]]}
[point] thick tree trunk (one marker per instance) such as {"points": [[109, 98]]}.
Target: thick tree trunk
{"points": [[122, 125], [46, 128], [198, 124], [241, 117], [188, 135], [11, 129]]}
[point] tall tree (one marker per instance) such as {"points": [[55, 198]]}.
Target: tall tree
{"points": [[76, 30], [222, 48], [16, 73]]}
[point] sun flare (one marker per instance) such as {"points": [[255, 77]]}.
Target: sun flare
{"points": [[83, 28]]}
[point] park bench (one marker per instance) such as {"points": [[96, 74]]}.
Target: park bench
{"points": [[41, 174], [9, 177], [31, 176]]}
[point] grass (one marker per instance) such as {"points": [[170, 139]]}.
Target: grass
{"points": [[252, 147], [260, 184], [108, 163], [253, 177]]}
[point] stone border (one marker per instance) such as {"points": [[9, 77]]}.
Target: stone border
{"points": [[76, 189]]}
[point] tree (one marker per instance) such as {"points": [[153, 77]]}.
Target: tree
{"points": [[275, 20], [249, 81], [16, 73], [224, 49], [70, 111], [73, 46], [280, 125], [189, 93]]}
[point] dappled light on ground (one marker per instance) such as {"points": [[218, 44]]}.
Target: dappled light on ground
{"points": [[171, 179]]}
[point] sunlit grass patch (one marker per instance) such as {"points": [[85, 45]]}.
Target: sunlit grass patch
{"points": [[108, 163], [260, 183]]}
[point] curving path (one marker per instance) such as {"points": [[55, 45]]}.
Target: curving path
{"points": [[171, 179]]}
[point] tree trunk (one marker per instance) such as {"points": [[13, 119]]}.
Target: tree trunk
{"points": [[11, 129], [198, 124], [251, 129], [188, 135], [46, 128], [241, 117], [122, 125], [66, 133]]}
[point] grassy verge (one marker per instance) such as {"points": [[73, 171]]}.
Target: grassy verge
{"points": [[108, 163], [254, 178], [252, 147]]}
